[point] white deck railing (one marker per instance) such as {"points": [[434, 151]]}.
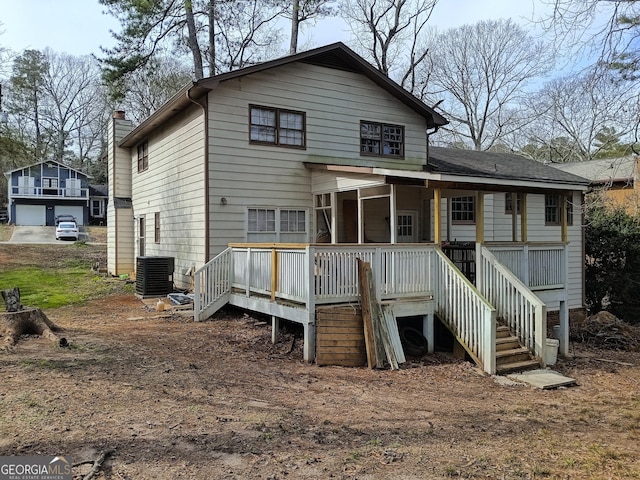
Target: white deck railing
{"points": [[540, 266], [470, 316], [523, 312], [212, 285], [399, 271], [307, 275]]}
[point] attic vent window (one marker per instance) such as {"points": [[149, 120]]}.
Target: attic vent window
{"points": [[275, 126], [381, 140]]}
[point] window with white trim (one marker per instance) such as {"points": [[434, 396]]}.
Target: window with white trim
{"points": [[276, 224], [463, 210]]}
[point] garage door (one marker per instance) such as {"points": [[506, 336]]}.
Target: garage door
{"points": [[30, 215], [76, 211]]}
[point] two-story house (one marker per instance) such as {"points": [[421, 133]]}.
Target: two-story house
{"points": [[265, 184], [40, 192]]}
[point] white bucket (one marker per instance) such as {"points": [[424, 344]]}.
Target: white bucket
{"points": [[551, 351]]}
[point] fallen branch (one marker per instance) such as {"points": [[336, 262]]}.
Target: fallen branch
{"points": [[97, 465], [624, 364]]}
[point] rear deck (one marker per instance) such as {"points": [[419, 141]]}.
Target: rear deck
{"points": [[290, 281]]}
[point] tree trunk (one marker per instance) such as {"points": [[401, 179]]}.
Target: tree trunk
{"points": [[295, 26], [192, 40], [29, 321]]}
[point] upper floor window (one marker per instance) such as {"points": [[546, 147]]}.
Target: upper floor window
{"points": [[463, 210], [275, 126], [381, 139], [143, 156]]}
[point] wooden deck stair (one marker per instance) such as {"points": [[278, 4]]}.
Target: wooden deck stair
{"points": [[511, 356]]}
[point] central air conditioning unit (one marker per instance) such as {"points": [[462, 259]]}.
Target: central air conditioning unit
{"points": [[154, 276]]}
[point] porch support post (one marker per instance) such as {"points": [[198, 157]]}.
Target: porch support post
{"points": [[360, 219], [428, 331], [309, 348], [563, 217], [479, 238], [275, 329], [514, 217], [393, 217], [523, 217], [437, 216], [480, 218], [334, 217], [564, 329]]}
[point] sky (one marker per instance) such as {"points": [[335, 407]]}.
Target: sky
{"points": [[79, 27]]}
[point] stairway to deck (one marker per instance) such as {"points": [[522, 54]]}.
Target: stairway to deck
{"points": [[511, 355]]}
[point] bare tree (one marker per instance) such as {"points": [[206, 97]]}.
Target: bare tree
{"points": [[478, 75], [150, 87], [300, 11], [388, 32], [609, 27], [572, 113]]}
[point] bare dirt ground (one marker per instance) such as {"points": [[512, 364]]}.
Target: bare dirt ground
{"points": [[216, 400]]}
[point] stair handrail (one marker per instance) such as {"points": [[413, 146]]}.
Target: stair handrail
{"points": [[470, 317], [515, 303], [212, 284]]}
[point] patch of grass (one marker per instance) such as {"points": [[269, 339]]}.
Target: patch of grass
{"points": [[69, 282]]}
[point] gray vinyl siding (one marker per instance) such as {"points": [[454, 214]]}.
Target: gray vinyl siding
{"points": [[264, 176], [173, 185]]}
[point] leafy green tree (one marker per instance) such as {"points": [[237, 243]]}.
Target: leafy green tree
{"points": [[217, 35], [612, 273], [27, 89]]}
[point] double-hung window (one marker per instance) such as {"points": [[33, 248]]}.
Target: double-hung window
{"points": [[276, 126], [143, 157], [508, 203], [463, 210], [552, 205], [381, 139], [276, 225]]}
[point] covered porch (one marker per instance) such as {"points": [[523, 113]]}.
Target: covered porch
{"points": [[399, 222]]}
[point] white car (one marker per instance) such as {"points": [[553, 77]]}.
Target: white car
{"points": [[67, 230]]}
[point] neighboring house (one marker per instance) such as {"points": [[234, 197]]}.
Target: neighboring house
{"points": [[615, 178], [98, 196], [40, 192], [265, 184]]}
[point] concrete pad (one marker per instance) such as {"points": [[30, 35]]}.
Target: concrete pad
{"points": [[543, 379]]}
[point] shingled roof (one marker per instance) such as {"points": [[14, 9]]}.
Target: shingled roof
{"points": [[605, 170], [506, 166]]}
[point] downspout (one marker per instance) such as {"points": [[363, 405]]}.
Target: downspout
{"points": [[205, 110]]}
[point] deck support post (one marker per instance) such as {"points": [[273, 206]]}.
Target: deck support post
{"points": [[275, 329], [309, 349], [428, 332], [564, 329]]}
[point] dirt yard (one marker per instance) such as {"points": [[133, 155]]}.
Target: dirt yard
{"points": [[216, 400]]}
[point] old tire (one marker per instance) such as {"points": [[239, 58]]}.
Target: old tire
{"points": [[413, 342]]}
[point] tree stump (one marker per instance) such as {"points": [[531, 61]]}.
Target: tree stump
{"points": [[12, 299], [31, 321]]}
